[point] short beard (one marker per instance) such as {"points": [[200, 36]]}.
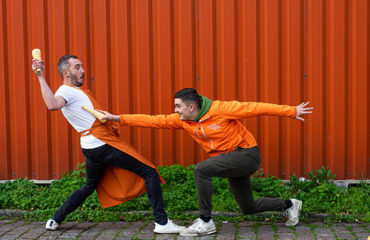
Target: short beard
{"points": [[74, 80]]}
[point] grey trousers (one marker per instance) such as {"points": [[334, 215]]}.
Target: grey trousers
{"points": [[237, 166]]}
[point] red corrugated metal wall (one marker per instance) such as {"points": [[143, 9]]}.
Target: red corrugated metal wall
{"points": [[137, 54]]}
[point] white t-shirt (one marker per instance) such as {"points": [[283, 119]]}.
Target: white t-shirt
{"points": [[76, 116]]}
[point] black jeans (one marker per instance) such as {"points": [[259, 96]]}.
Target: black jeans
{"points": [[237, 166], [97, 160]]}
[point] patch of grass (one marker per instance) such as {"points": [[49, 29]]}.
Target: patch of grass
{"points": [[319, 194]]}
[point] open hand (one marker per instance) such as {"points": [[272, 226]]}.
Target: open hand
{"points": [[302, 109]]}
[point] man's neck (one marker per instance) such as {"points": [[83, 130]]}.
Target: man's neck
{"points": [[68, 82], [195, 114]]}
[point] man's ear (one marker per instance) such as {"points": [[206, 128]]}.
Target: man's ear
{"points": [[65, 73], [191, 107]]}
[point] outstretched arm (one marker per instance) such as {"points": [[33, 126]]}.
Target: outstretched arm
{"points": [[240, 110], [143, 120], [302, 110], [52, 102]]}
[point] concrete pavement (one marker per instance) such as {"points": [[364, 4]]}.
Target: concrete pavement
{"points": [[14, 229]]}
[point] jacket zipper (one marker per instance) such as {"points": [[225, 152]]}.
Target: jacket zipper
{"points": [[210, 140], [197, 134]]}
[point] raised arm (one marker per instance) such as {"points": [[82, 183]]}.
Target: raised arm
{"points": [[52, 102], [143, 120]]}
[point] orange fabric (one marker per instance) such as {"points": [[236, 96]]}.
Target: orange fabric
{"points": [[219, 130], [117, 185]]}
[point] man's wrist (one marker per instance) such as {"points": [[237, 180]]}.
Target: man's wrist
{"points": [[116, 118], [41, 77]]}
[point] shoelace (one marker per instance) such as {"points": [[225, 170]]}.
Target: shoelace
{"points": [[195, 223]]}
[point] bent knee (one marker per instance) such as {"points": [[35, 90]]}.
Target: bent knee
{"points": [[200, 168]]}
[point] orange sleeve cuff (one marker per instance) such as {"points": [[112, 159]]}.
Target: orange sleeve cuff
{"points": [[294, 112], [121, 121]]}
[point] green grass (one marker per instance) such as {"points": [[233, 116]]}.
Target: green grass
{"points": [[179, 194]]}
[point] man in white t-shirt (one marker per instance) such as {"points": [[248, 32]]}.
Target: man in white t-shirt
{"points": [[98, 154]]}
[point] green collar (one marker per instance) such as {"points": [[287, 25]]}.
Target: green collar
{"points": [[206, 104]]}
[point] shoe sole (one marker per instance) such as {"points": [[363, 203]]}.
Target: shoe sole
{"points": [[170, 232], [198, 234], [299, 211], [175, 232], [51, 229]]}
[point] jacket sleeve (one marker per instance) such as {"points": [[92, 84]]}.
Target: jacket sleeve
{"points": [[151, 121], [239, 110]]}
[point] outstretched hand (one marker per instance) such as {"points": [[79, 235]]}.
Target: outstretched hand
{"points": [[109, 116], [302, 109]]}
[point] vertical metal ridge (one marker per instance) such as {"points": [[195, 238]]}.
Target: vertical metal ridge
{"points": [[280, 87], [309, 80], [93, 42], [6, 102], [368, 90], [88, 19], [264, 90], [151, 74], [27, 87], [346, 87], [195, 40], [331, 83], [302, 86], [331, 80], [352, 78], [216, 77], [236, 50], [68, 50], [136, 98], [130, 62], [109, 54], [242, 57], [173, 70], [221, 47], [48, 118], [72, 22], [172, 39], [67, 31], [13, 134], [115, 90], [51, 123], [285, 77], [324, 85]]}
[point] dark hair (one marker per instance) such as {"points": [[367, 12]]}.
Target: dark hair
{"points": [[189, 95], [63, 63]]}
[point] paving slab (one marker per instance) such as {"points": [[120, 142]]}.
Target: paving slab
{"points": [[144, 230]]}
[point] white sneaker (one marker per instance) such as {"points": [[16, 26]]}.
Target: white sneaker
{"points": [[51, 224], [170, 227], [293, 213], [198, 228]]}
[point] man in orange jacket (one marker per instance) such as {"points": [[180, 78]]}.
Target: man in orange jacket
{"points": [[113, 168], [234, 152]]}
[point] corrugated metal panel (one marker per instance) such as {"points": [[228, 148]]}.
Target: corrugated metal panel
{"points": [[137, 54]]}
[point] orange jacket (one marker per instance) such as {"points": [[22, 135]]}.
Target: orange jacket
{"points": [[219, 130]]}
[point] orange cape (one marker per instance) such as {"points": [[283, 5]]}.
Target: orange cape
{"points": [[117, 185]]}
